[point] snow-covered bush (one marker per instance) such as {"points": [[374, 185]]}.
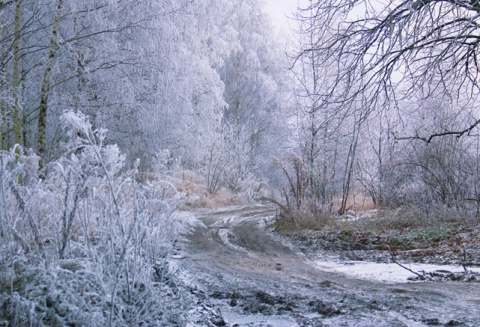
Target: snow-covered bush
{"points": [[81, 241], [251, 188]]}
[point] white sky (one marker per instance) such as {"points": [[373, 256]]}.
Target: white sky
{"points": [[280, 10]]}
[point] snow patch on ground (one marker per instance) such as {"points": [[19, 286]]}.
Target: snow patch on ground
{"points": [[407, 322], [382, 272], [224, 235], [353, 216], [232, 318], [186, 221]]}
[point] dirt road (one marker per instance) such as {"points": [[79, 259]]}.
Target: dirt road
{"points": [[248, 276]]}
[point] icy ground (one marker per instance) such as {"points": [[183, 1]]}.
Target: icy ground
{"points": [[242, 275], [385, 272]]}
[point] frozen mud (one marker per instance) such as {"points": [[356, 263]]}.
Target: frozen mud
{"points": [[243, 275]]}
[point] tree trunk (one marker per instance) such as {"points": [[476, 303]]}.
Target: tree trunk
{"points": [[3, 112], [349, 170], [42, 115], [3, 90], [16, 76]]}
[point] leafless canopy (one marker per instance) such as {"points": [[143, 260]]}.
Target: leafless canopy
{"points": [[387, 50]]}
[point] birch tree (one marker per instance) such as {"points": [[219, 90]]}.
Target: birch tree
{"points": [[42, 115], [16, 73], [13, 30]]}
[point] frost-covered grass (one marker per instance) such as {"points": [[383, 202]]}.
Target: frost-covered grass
{"points": [[82, 243], [195, 187]]}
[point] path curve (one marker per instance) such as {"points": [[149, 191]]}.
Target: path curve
{"points": [[256, 278]]}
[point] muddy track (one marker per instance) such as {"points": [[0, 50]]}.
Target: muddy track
{"points": [[254, 278]]}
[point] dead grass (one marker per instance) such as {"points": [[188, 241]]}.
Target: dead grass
{"points": [[191, 176], [219, 200], [299, 222], [411, 217], [311, 218], [194, 186], [382, 220], [358, 202]]}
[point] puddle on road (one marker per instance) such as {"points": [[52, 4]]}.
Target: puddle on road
{"points": [[383, 272]]}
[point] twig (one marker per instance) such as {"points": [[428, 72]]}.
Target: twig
{"points": [[31, 221]]}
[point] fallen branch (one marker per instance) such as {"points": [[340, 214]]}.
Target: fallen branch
{"points": [[394, 260]]}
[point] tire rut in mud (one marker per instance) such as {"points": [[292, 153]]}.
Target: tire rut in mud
{"points": [[253, 279]]}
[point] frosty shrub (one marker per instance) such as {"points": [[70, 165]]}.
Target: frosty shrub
{"points": [[82, 243], [251, 188]]}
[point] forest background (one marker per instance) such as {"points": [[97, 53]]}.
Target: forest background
{"points": [[109, 110]]}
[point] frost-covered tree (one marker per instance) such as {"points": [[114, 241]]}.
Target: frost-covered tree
{"points": [[51, 49], [183, 98], [254, 74], [382, 65], [387, 51], [327, 136], [161, 76]]}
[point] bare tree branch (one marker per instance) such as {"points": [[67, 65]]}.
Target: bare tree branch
{"points": [[429, 139], [386, 53]]}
